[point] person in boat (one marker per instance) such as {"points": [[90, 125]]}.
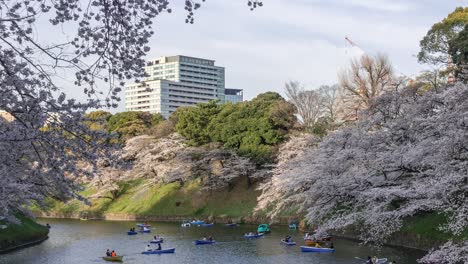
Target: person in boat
{"points": [[148, 248], [204, 238], [369, 260], [108, 253], [317, 245], [145, 228], [331, 245], [47, 225], [113, 254], [314, 238], [159, 246], [210, 238], [375, 260]]}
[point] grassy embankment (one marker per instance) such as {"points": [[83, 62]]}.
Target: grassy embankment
{"points": [[425, 231], [17, 235], [169, 200]]}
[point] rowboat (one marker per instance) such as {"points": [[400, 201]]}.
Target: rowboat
{"points": [[145, 231], [231, 225], [379, 261], [115, 259], [207, 225], [204, 242], [291, 243], [132, 233], [197, 222], [316, 249], [162, 251], [157, 241], [324, 237], [143, 225], [263, 228], [253, 236]]}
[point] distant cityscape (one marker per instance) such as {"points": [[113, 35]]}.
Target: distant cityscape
{"points": [[176, 81]]}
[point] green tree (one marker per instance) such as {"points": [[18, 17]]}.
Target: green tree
{"points": [[254, 128], [459, 51], [435, 45], [132, 123], [192, 122], [97, 120]]}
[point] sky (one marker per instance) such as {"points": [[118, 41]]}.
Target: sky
{"points": [[301, 40]]}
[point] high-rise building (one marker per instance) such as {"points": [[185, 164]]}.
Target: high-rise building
{"points": [[233, 95], [173, 82]]}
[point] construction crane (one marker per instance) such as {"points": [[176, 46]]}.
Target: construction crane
{"points": [[353, 44]]}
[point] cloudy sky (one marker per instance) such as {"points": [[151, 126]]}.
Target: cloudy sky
{"points": [[297, 39]]}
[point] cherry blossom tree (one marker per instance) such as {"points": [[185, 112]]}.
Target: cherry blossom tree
{"points": [[100, 44], [405, 156]]}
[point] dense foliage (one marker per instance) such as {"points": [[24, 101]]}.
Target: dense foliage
{"points": [[192, 122], [253, 128], [459, 51], [124, 125], [406, 156], [436, 44]]}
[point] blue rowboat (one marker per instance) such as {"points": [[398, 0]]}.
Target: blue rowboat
{"points": [[316, 249], [157, 241], [198, 222], [207, 225], [231, 225], [162, 251], [253, 236], [204, 242], [132, 233], [382, 260], [292, 243]]}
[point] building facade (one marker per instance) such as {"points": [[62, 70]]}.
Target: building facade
{"points": [[176, 81], [233, 95]]}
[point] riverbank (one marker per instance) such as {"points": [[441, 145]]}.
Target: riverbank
{"points": [[16, 236], [173, 202], [166, 203]]}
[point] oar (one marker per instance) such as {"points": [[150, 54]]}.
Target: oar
{"points": [[360, 258]]}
